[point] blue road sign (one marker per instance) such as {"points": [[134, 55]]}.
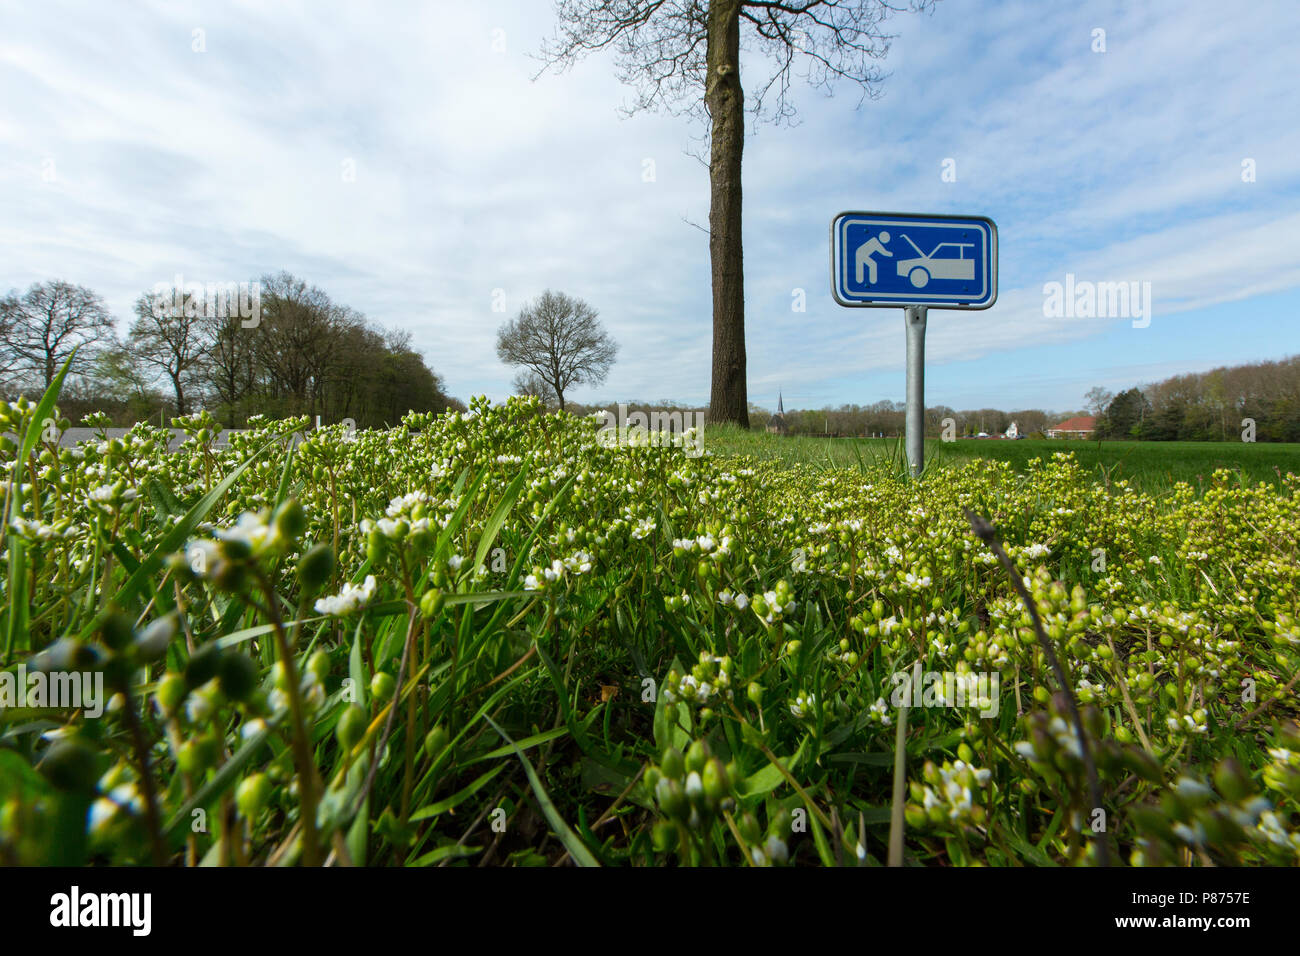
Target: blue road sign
{"points": [[883, 259]]}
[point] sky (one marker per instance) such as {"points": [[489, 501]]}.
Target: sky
{"points": [[407, 158]]}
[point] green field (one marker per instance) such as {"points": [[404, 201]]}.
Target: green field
{"points": [[1149, 465]]}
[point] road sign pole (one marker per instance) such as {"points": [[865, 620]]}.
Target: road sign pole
{"points": [[952, 264], [914, 316]]}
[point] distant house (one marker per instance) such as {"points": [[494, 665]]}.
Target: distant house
{"points": [[1013, 431], [776, 424], [1080, 427]]}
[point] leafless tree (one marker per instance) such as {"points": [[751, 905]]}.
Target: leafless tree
{"points": [[47, 323], [560, 340], [1097, 398], [7, 357], [683, 56], [173, 339]]}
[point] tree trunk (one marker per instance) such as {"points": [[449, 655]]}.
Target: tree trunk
{"points": [[728, 400]]}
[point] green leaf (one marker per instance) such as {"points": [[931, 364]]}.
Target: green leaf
{"points": [[493, 527], [444, 852], [819, 838], [869, 759], [577, 849], [526, 744], [442, 806], [283, 491], [356, 669]]}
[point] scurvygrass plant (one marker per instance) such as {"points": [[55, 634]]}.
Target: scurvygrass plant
{"points": [[487, 638]]}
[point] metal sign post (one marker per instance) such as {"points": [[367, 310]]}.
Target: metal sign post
{"points": [[914, 316], [880, 260]]}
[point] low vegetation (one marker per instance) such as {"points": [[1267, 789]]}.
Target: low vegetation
{"points": [[486, 638]]}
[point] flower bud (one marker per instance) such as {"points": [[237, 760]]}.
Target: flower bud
{"points": [[382, 686], [70, 765], [237, 675], [252, 795], [229, 575], [673, 765], [694, 786], [376, 546], [319, 665], [315, 568], [714, 778], [152, 642], [203, 664], [116, 631], [435, 742], [351, 726], [696, 756], [171, 693], [672, 801], [290, 520], [235, 549], [193, 756], [432, 603]]}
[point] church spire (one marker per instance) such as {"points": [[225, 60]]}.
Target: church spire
{"points": [[780, 404]]}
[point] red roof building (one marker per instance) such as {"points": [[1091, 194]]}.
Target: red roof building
{"points": [[1081, 427]]}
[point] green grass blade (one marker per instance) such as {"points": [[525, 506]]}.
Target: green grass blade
{"points": [[577, 849]]}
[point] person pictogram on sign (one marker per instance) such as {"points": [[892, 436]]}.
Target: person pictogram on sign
{"points": [[862, 259]]}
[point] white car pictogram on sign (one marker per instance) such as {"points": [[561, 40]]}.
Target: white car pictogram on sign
{"points": [[935, 266]]}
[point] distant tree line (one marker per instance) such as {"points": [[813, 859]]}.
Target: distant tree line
{"points": [[886, 418], [279, 347], [1208, 406]]}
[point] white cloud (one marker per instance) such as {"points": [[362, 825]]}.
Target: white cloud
{"points": [[471, 177]]}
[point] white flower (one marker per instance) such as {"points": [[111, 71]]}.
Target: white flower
{"points": [[103, 810], [349, 599], [251, 530]]}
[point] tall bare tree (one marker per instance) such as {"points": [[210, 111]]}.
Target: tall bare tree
{"points": [[7, 357], [173, 339], [684, 56], [1097, 398], [561, 340], [48, 322], [231, 369]]}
